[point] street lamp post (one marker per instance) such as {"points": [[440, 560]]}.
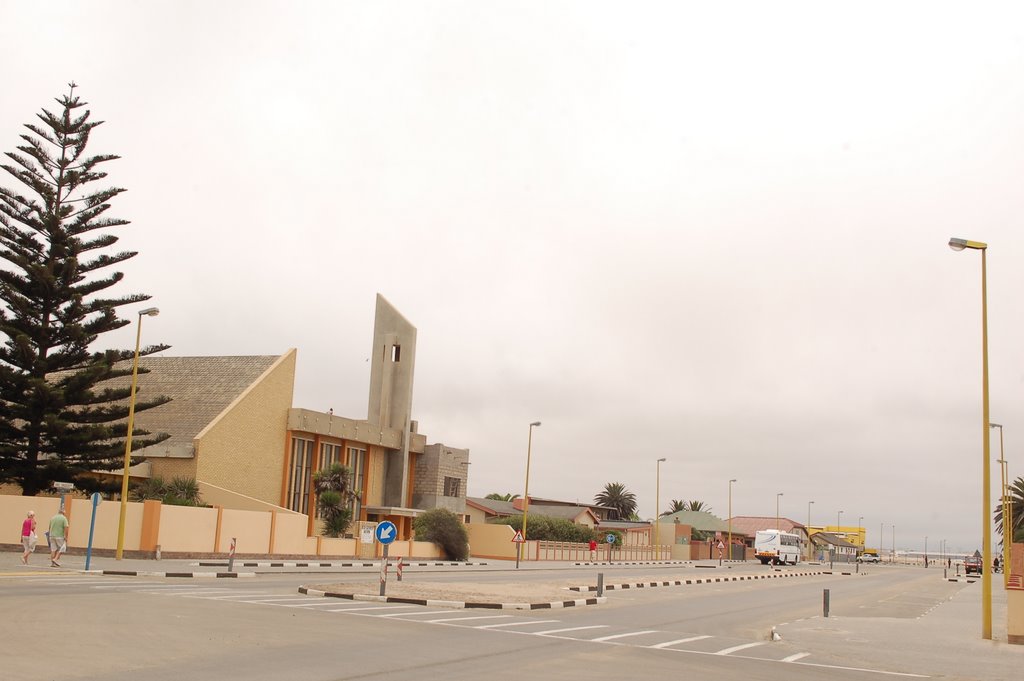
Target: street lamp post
{"points": [[1005, 506], [860, 534], [526, 490], [657, 505], [986, 500], [810, 547], [148, 312], [777, 497], [839, 522], [730, 517], [881, 539]]}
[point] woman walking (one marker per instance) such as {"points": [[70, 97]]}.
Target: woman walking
{"points": [[28, 536]]}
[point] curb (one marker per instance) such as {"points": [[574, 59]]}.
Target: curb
{"points": [[189, 575], [457, 604], [706, 580], [317, 564]]}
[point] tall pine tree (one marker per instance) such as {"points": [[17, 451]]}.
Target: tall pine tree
{"points": [[59, 418]]}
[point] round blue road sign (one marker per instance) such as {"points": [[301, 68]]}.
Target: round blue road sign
{"points": [[386, 532]]}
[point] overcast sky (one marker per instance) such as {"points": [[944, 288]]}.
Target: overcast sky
{"points": [[712, 234]]}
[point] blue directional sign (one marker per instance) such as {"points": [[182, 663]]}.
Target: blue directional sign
{"points": [[610, 539], [386, 532]]}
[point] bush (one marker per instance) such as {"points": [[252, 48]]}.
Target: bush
{"points": [[180, 491], [546, 528], [444, 528]]}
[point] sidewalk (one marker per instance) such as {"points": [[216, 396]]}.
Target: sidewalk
{"points": [[944, 642]]}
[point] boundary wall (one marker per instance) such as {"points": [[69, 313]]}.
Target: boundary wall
{"points": [[184, 531]]}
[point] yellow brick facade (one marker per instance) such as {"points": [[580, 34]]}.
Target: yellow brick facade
{"points": [[242, 449]]}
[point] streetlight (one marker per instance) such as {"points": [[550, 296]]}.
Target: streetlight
{"points": [[1005, 505], [986, 500], [148, 312], [863, 539], [839, 522], [777, 497], [526, 491], [810, 548], [730, 518], [881, 539], [657, 504]]}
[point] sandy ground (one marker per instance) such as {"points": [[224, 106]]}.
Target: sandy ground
{"points": [[489, 592]]}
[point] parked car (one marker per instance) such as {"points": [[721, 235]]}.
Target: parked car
{"points": [[972, 564], [868, 558]]}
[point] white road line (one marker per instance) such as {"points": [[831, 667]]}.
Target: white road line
{"points": [[462, 619], [409, 614], [310, 604], [183, 591], [376, 607], [144, 586], [794, 658], [559, 631], [615, 636], [275, 601], [726, 651], [666, 644], [515, 624], [240, 594]]}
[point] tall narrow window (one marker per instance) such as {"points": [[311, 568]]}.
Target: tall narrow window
{"points": [[357, 462], [396, 353], [301, 475]]}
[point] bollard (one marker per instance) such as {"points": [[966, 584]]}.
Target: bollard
{"points": [[600, 584], [398, 568], [824, 603], [231, 556], [158, 552]]}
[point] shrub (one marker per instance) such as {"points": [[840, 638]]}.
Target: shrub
{"points": [[546, 528], [444, 528]]}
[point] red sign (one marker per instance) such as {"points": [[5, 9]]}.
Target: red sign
{"points": [[518, 539]]}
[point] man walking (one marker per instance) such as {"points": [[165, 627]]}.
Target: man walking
{"points": [[58, 536]]}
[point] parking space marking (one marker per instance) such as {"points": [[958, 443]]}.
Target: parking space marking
{"points": [[559, 631], [514, 624], [627, 634], [667, 644], [727, 651]]}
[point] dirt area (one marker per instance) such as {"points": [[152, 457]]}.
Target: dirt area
{"points": [[471, 592]]}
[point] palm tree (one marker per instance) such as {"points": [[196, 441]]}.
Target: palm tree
{"points": [[334, 497], [618, 497], [1015, 491], [494, 496], [697, 506], [675, 507]]}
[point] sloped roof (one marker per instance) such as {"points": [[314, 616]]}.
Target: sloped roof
{"points": [[699, 520], [834, 540], [559, 511], [499, 508], [200, 389], [749, 525]]}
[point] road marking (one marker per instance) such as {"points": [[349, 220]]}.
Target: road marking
{"points": [[558, 631], [726, 651], [309, 604], [275, 601], [409, 614], [794, 658], [514, 624], [240, 594], [666, 644], [375, 607], [615, 636], [461, 619]]}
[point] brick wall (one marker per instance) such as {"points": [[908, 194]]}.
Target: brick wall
{"points": [[243, 448]]}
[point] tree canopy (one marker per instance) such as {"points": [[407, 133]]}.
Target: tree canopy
{"points": [[59, 415], [618, 497]]}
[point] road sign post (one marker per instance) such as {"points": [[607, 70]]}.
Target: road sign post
{"points": [[385, 532], [96, 499], [610, 539], [518, 540]]}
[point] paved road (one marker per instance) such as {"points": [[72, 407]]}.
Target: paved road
{"points": [[890, 620]]}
